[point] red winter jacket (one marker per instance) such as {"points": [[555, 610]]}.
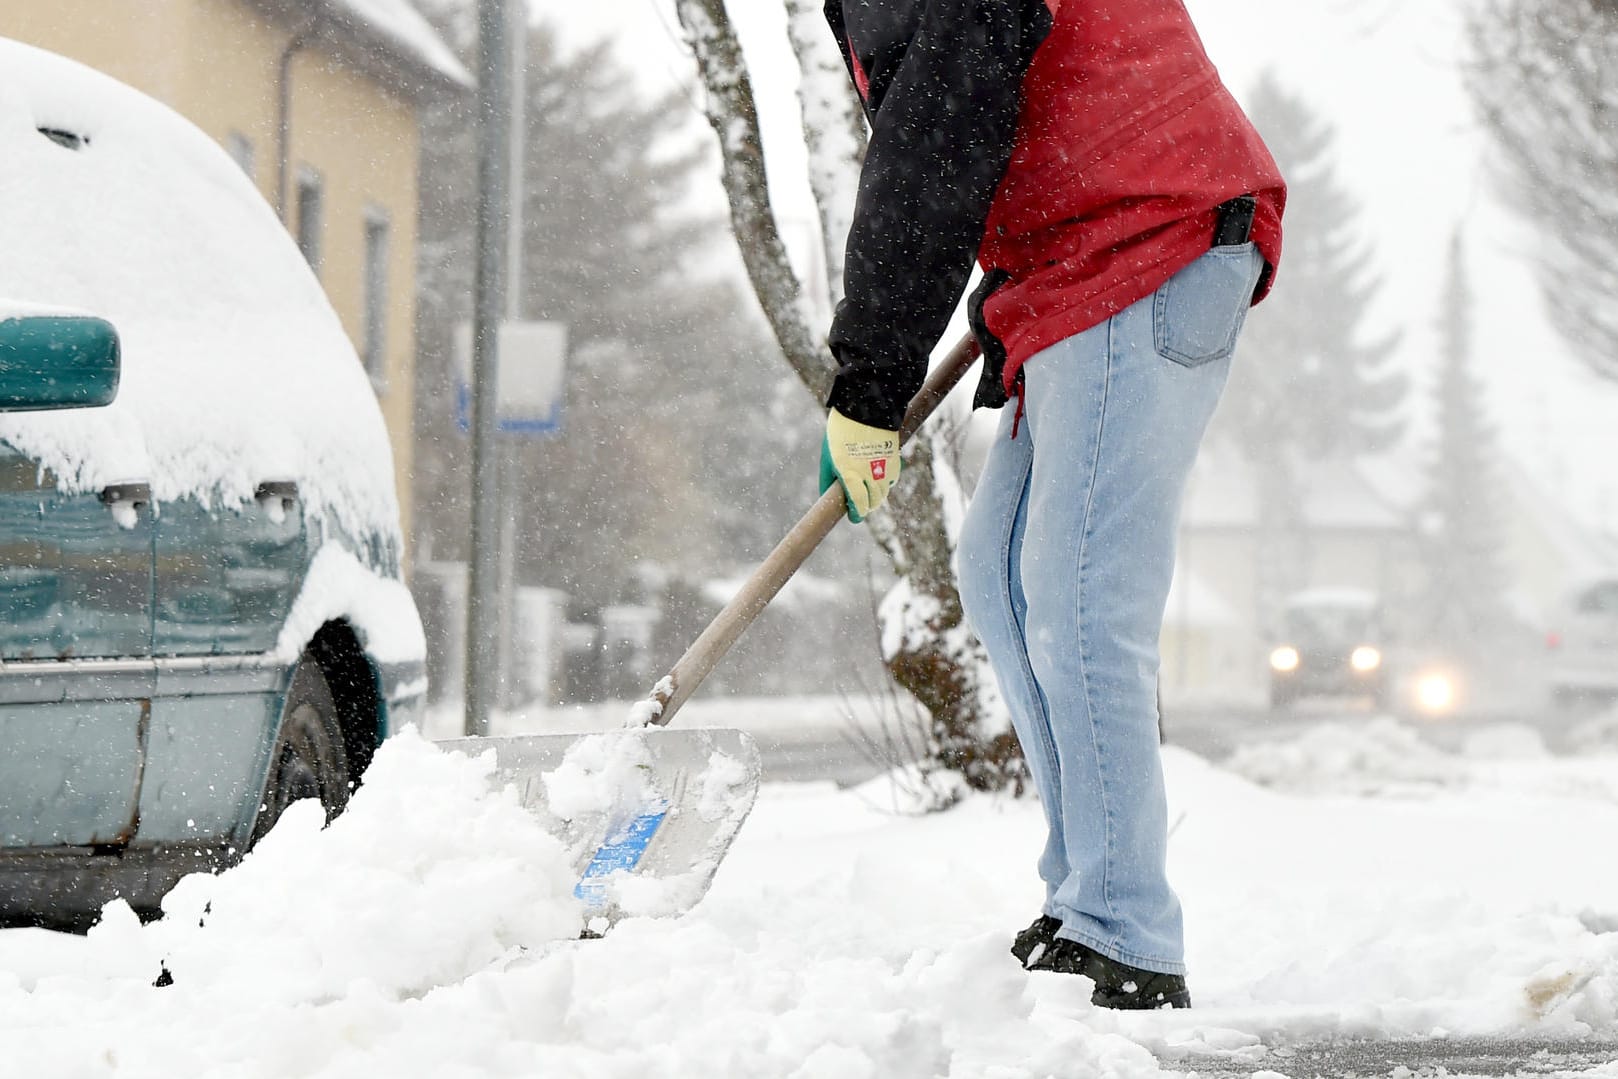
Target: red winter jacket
{"points": [[1079, 153]]}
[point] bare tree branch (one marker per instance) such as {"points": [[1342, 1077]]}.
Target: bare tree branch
{"points": [[1545, 75], [733, 114], [833, 131]]}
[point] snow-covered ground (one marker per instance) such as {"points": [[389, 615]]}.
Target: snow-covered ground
{"points": [[1346, 882]]}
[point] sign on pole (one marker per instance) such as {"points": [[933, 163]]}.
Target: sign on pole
{"points": [[531, 382]]}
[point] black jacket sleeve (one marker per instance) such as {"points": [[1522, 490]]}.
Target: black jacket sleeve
{"points": [[943, 89]]}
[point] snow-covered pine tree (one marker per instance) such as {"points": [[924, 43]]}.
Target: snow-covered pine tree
{"points": [[1310, 382], [608, 251], [1462, 610]]}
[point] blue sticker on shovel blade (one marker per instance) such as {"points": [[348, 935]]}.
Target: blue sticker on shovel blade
{"points": [[621, 850]]}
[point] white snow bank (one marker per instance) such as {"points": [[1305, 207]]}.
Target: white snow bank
{"points": [[320, 944], [428, 932], [1382, 756], [426, 853], [1365, 758]]}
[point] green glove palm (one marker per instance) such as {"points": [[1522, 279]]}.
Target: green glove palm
{"points": [[864, 459]]}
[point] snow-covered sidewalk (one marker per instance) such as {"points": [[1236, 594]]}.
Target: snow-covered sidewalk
{"points": [[1371, 887]]}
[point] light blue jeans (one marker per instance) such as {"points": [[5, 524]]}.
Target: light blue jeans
{"points": [[1065, 562]]}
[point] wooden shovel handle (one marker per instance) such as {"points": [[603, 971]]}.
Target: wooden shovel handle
{"points": [[772, 573]]}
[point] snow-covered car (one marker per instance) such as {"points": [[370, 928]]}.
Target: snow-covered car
{"points": [[1332, 643], [202, 616], [1584, 645]]}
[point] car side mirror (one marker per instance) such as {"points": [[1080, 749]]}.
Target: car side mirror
{"points": [[57, 361]]}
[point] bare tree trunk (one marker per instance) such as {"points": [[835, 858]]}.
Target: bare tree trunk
{"points": [[733, 115], [929, 650]]}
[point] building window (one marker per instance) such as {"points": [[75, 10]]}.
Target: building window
{"points": [[240, 149], [373, 345], [309, 213]]}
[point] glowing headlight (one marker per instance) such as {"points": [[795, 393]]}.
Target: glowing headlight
{"points": [[1284, 658], [1365, 659], [1435, 692]]}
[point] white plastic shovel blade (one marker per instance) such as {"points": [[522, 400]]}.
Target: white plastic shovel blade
{"points": [[647, 814]]}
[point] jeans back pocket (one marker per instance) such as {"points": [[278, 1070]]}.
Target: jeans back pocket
{"points": [[1198, 313]]}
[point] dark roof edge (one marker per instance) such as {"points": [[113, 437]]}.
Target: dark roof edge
{"points": [[363, 46]]}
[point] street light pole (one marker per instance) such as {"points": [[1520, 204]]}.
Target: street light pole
{"points": [[510, 463], [488, 306]]}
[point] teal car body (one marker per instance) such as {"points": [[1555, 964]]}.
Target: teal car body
{"points": [[202, 614]]}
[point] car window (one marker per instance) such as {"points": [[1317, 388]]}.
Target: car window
{"points": [[1600, 599], [1323, 623]]}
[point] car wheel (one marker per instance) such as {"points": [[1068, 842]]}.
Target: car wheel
{"points": [[308, 760]]}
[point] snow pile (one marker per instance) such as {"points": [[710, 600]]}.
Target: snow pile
{"points": [[316, 948], [1378, 755], [429, 932], [604, 775], [1385, 757], [425, 853]]}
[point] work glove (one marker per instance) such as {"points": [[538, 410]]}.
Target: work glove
{"points": [[864, 459]]}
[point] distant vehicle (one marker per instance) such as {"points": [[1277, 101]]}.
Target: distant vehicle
{"points": [[1584, 646], [1332, 644], [202, 617]]}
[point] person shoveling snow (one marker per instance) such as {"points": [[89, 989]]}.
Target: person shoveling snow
{"points": [[1125, 214]]}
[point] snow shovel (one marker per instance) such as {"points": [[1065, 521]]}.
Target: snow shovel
{"points": [[648, 813]]}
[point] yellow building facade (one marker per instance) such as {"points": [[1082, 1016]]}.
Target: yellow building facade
{"points": [[317, 100]]}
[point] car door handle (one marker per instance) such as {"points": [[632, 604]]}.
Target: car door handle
{"points": [[277, 498], [130, 494], [282, 489], [125, 501]]}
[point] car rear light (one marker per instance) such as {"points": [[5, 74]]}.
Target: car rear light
{"points": [[1553, 640]]}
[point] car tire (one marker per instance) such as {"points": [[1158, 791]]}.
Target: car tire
{"points": [[308, 760]]}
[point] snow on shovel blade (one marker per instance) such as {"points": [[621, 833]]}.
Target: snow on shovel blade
{"points": [[647, 814]]}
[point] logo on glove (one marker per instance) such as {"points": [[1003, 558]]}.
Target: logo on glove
{"points": [[879, 468]]}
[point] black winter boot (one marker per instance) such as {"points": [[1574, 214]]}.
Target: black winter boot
{"points": [[1035, 939], [1118, 985]]}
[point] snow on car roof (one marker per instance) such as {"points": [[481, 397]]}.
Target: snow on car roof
{"points": [[235, 367], [1333, 597]]}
